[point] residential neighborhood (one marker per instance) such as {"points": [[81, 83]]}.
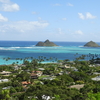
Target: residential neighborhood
{"points": [[42, 81]]}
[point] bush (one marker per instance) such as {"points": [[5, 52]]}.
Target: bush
{"points": [[79, 82]]}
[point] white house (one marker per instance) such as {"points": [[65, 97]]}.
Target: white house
{"points": [[4, 80]]}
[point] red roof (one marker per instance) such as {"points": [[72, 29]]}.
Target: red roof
{"points": [[25, 83]]}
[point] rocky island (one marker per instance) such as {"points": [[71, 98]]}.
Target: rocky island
{"points": [[46, 43], [91, 44]]}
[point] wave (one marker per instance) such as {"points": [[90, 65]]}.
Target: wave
{"points": [[27, 47], [80, 46], [6, 48], [20, 47], [15, 47], [32, 48]]}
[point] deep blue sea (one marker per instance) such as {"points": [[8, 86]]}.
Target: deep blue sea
{"points": [[23, 49]]}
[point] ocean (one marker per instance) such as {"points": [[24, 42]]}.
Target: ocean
{"points": [[23, 49]]}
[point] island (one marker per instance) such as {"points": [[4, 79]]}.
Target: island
{"points": [[91, 44], [46, 43]]}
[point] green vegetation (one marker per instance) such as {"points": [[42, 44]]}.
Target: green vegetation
{"points": [[63, 80]]}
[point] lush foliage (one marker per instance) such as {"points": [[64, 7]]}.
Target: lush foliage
{"points": [[55, 81]]}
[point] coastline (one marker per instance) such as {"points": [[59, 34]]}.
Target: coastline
{"points": [[23, 49]]}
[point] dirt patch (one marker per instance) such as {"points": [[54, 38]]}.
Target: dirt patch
{"points": [[77, 86]]}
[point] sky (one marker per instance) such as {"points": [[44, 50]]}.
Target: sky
{"points": [[56, 20]]}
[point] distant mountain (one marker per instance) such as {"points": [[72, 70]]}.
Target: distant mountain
{"points": [[91, 44], [46, 43]]}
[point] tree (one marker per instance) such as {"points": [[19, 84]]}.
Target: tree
{"points": [[93, 96], [57, 97], [5, 95], [79, 76], [64, 79], [87, 88], [24, 76]]}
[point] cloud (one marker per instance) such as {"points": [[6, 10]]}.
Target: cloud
{"points": [[59, 31], [87, 16], [81, 16], [90, 16], [34, 13], [24, 26], [79, 32], [3, 19], [57, 4], [5, 1], [41, 21], [39, 18], [64, 18], [69, 4], [7, 5]]}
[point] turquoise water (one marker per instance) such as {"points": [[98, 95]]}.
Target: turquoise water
{"points": [[22, 49]]}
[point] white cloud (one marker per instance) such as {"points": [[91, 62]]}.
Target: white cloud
{"points": [[90, 16], [79, 32], [34, 13], [81, 16], [39, 18], [5, 1], [2, 31], [57, 4], [59, 31], [24, 26], [3, 19], [7, 5], [69, 4], [23, 30], [87, 16], [64, 18], [41, 21], [10, 7]]}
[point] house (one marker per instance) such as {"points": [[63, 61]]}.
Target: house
{"points": [[67, 66], [17, 67], [91, 65], [73, 68], [25, 83], [48, 78], [96, 73], [44, 97], [41, 69], [38, 73], [97, 78], [34, 76], [5, 73], [4, 88], [4, 80]]}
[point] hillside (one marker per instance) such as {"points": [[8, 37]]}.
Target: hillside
{"points": [[46, 43], [91, 44]]}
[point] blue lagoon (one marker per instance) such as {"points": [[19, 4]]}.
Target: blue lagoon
{"points": [[23, 49]]}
